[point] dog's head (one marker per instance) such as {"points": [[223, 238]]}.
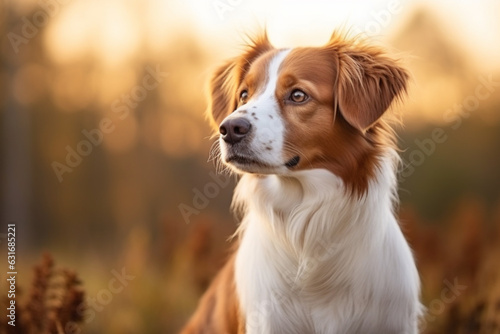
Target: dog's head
{"points": [[282, 110]]}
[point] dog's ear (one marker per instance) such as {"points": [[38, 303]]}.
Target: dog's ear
{"points": [[222, 90], [368, 81], [222, 99]]}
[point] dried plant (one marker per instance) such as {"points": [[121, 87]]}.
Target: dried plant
{"points": [[55, 304]]}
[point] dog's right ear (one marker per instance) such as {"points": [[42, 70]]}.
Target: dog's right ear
{"points": [[222, 90], [222, 99]]}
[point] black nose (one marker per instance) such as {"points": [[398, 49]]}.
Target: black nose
{"points": [[234, 130]]}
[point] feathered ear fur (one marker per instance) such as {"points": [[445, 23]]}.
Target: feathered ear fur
{"points": [[368, 81], [222, 99]]}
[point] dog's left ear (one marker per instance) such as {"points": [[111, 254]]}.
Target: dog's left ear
{"points": [[368, 81], [222, 99], [222, 88]]}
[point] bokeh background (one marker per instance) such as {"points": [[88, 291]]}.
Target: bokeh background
{"points": [[105, 148]]}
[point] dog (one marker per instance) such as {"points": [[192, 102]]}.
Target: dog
{"points": [[319, 249]]}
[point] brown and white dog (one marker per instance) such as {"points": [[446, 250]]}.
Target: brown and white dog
{"points": [[319, 249]]}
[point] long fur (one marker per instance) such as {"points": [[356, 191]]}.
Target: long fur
{"points": [[319, 248], [320, 262]]}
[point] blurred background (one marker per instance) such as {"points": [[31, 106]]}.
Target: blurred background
{"points": [[104, 146]]}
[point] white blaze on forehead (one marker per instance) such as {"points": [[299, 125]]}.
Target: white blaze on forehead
{"points": [[273, 71], [263, 112], [265, 115]]}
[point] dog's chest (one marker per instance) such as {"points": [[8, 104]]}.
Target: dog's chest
{"points": [[322, 263], [282, 294]]}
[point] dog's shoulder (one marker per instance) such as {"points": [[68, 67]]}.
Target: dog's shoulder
{"points": [[218, 309]]}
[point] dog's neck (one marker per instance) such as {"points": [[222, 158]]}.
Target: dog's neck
{"points": [[288, 204], [307, 247], [308, 218]]}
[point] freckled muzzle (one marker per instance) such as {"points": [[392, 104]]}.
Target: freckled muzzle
{"points": [[252, 137], [238, 152], [248, 146]]}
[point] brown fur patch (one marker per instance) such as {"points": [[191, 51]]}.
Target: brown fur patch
{"points": [[218, 310], [368, 81], [356, 80]]}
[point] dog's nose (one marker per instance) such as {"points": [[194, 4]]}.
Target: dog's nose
{"points": [[234, 130]]}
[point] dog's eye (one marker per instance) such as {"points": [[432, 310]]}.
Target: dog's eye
{"points": [[243, 96], [298, 96]]}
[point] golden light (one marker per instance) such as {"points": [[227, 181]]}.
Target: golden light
{"points": [[116, 34], [113, 83], [69, 34], [74, 88], [107, 30]]}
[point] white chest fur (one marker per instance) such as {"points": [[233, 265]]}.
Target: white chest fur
{"points": [[313, 259]]}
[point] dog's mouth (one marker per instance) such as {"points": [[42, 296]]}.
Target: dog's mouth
{"points": [[247, 163], [292, 162]]}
